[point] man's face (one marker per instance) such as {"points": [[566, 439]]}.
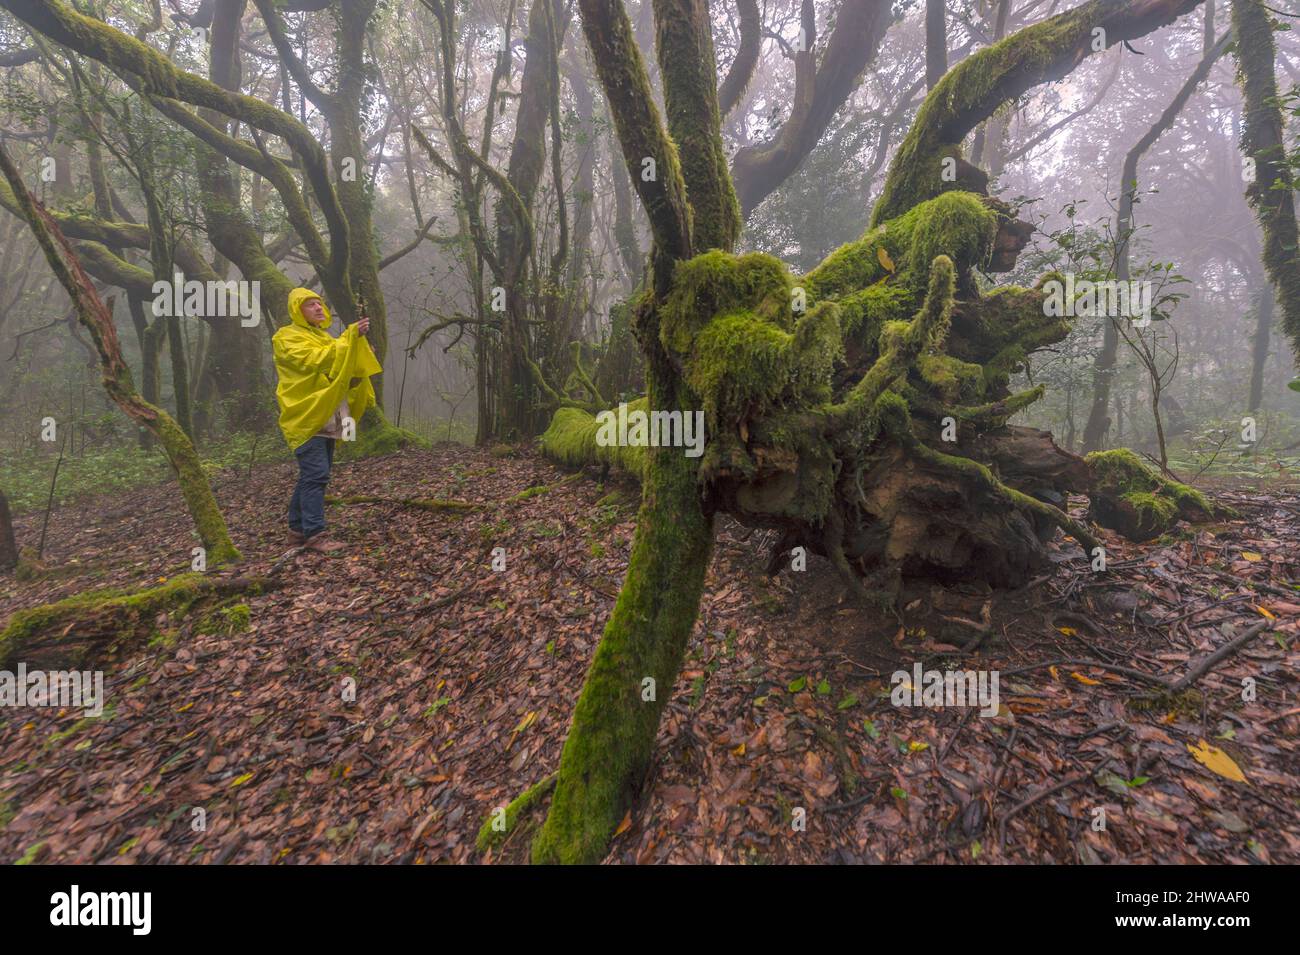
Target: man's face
{"points": [[314, 311]]}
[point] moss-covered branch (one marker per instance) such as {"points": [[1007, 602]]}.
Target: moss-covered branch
{"points": [[971, 91], [684, 45], [157, 75]]}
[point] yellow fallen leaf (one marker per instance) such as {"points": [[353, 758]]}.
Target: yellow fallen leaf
{"points": [[1251, 556], [1266, 613], [1086, 681], [739, 750], [1056, 675], [1068, 631], [182, 709], [1216, 761], [526, 722], [916, 747], [240, 780], [884, 258], [625, 825]]}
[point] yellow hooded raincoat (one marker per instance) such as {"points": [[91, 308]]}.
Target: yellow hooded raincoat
{"points": [[315, 370]]}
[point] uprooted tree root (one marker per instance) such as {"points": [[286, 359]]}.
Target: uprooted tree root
{"points": [[93, 627], [868, 422]]}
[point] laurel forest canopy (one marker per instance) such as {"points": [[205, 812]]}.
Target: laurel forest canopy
{"points": [[926, 275]]}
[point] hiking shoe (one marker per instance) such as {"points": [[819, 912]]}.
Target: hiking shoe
{"points": [[296, 538], [323, 545]]}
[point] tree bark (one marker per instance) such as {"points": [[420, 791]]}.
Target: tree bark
{"points": [[820, 90], [936, 42], [1262, 141], [1259, 344], [8, 542]]}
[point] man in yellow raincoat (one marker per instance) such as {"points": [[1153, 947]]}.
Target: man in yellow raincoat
{"points": [[324, 389]]}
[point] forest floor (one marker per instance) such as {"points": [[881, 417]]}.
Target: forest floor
{"points": [[465, 678]]}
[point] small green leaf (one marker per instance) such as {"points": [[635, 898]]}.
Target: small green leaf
{"points": [[850, 699], [796, 686], [898, 793], [823, 688], [870, 727], [437, 705]]}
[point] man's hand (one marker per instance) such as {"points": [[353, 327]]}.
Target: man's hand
{"points": [[363, 325]]}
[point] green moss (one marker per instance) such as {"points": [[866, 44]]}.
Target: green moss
{"points": [[965, 95], [81, 627], [233, 619], [1135, 500], [490, 836], [571, 440], [31, 855], [953, 379], [959, 225], [529, 493], [377, 436], [718, 283]]}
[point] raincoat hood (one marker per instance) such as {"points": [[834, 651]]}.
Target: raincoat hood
{"points": [[318, 371]]}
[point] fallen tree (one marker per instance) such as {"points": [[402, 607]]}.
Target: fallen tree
{"points": [[94, 628]]}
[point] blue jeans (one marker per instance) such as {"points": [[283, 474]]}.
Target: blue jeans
{"points": [[307, 508]]}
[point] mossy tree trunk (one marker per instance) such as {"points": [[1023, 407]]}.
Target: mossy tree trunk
{"points": [[1262, 140], [610, 743], [95, 316]]}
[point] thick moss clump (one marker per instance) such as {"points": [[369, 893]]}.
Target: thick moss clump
{"points": [[959, 225], [571, 440], [1134, 500], [732, 323], [377, 436]]}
